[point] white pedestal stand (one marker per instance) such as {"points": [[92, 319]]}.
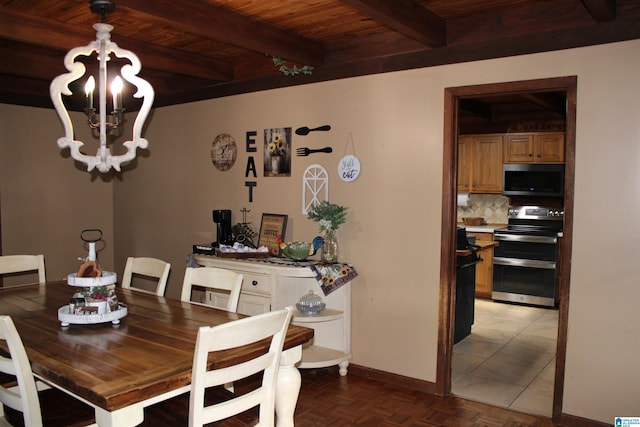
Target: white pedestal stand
{"points": [[66, 317]]}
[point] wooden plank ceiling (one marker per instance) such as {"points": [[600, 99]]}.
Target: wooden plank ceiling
{"points": [[200, 49]]}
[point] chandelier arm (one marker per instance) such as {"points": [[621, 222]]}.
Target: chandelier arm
{"points": [[60, 86], [144, 90]]}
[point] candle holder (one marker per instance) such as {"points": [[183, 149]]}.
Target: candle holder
{"points": [[114, 125]]}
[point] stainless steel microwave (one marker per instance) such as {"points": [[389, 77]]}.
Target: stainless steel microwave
{"points": [[522, 179]]}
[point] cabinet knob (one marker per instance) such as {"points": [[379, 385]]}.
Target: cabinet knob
{"points": [[254, 283]]}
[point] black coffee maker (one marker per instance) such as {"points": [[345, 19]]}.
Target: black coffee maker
{"points": [[222, 218]]}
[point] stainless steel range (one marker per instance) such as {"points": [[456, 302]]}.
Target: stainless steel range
{"points": [[525, 261]]}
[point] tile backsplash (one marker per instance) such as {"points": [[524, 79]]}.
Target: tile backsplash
{"points": [[492, 207]]}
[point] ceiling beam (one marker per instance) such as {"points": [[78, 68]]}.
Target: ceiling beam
{"points": [[217, 23], [548, 100], [14, 60], [370, 46], [535, 18], [407, 17], [601, 10], [34, 30], [475, 108]]}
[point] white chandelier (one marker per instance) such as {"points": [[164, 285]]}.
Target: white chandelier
{"points": [[98, 119]]}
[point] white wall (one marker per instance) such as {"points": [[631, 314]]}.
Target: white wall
{"points": [[392, 234]]}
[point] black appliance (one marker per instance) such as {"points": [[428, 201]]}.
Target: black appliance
{"points": [[222, 218], [466, 260], [525, 261], [532, 180]]}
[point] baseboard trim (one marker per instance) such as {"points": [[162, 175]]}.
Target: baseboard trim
{"points": [[393, 379]]}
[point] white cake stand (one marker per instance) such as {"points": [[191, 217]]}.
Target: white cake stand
{"points": [[66, 317]]}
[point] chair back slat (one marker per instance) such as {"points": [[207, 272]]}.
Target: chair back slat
{"points": [[215, 279], [148, 267], [23, 264]]}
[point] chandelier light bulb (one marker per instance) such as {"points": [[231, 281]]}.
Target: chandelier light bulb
{"points": [[89, 87], [116, 90]]}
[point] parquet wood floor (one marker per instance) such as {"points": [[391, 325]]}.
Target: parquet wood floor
{"points": [[326, 399], [329, 400]]}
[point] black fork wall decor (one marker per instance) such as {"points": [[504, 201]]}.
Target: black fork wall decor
{"points": [[304, 151]]}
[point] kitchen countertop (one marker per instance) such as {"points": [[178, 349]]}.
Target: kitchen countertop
{"points": [[483, 246], [487, 228]]}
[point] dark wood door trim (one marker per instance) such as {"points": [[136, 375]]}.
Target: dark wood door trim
{"points": [[448, 242]]}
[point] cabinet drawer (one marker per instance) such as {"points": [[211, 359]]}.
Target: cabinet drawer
{"points": [[256, 283], [252, 304]]}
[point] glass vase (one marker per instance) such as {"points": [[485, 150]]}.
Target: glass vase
{"points": [[275, 165], [330, 248]]}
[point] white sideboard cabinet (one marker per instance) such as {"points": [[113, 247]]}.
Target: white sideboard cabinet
{"points": [[274, 283]]}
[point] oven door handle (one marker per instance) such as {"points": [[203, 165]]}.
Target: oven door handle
{"points": [[525, 238], [531, 263]]}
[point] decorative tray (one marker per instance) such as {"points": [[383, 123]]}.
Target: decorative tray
{"points": [[67, 318], [242, 254]]}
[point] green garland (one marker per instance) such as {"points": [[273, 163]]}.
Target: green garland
{"points": [[290, 71]]}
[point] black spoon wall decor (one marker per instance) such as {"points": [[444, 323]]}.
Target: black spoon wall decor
{"points": [[305, 130]]}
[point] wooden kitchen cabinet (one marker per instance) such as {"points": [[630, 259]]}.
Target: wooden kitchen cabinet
{"points": [[271, 286], [541, 147], [480, 163], [484, 270]]}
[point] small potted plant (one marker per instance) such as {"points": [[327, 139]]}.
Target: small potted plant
{"points": [[329, 217]]}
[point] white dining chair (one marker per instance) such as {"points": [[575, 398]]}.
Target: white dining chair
{"points": [[203, 407], [25, 403], [23, 396], [23, 264], [217, 280], [273, 326], [139, 267]]}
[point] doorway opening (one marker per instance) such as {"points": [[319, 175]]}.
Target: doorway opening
{"points": [[456, 101]]}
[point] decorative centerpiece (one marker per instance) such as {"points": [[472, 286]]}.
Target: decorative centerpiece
{"points": [[329, 217], [95, 299], [299, 251]]}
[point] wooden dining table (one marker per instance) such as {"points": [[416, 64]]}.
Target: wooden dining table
{"points": [[120, 369]]}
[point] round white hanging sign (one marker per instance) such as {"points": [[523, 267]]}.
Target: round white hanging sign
{"points": [[349, 168]]}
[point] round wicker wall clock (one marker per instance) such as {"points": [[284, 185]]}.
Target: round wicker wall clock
{"points": [[224, 152]]}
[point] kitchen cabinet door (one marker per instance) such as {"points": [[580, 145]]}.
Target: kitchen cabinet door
{"points": [[465, 155], [486, 169], [518, 148], [540, 147], [549, 147], [480, 163], [484, 270]]}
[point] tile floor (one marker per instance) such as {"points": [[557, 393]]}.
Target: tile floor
{"points": [[509, 358]]}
